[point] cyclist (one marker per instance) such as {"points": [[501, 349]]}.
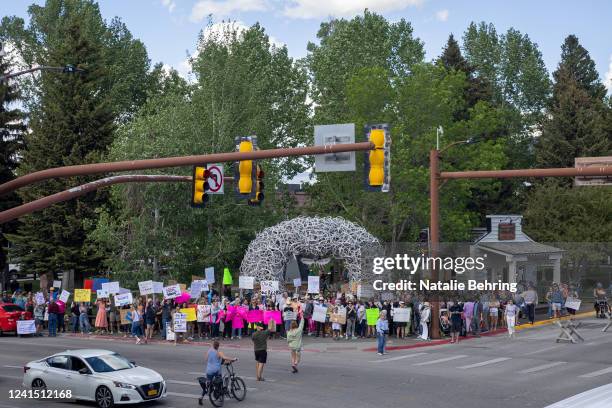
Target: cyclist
{"points": [[215, 359]]}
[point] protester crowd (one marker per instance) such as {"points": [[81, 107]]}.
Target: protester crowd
{"points": [[460, 314]]}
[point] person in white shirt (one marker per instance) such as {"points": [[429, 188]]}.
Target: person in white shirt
{"points": [[425, 316], [511, 312]]}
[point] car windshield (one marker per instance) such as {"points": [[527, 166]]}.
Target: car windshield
{"points": [[12, 308], [108, 362]]}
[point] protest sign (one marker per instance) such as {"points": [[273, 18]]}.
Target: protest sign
{"points": [[196, 289], [204, 286], [158, 287], [339, 316], [196, 277], [102, 294], [82, 295], [170, 336], [122, 299], [57, 284], [210, 275], [246, 282], [272, 315], [111, 287], [372, 316], [172, 291], [319, 313], [26, 327], [313, 284], [255, 316], [123, 316], [573, 303], [365, 291], [40, 298], [180, 323], [269, 286], [64, 296], [401, 314], [190, 314], [97, 283], [146, 288], [203, 313], [297, 282]]}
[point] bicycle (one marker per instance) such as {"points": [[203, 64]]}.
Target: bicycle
{"points": [[230, 385]]}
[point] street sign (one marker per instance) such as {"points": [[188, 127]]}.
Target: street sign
{"points": [[585, 162], [325, 135], [215, 179]]}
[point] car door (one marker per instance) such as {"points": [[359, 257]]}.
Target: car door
{"points": [[56, 376], [82, 385]]}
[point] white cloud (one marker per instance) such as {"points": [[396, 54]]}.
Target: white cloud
{"points": [[224, 8], [306, 9], [442, 15], [608, 78], [169, 4]]}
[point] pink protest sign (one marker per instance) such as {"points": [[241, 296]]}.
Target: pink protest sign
{"points": [[237, 322], [254, 316], [272, 315], [229, 314], [243, 311]]}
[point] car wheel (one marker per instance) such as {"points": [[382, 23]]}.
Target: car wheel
{"points": [[104, 397], [39, 384]]}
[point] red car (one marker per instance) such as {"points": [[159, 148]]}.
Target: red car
{"points": [[9, 314]]}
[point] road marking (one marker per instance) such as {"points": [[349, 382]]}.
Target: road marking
{"points": [[12, 377], [597, 373], [540, 350], [542, 367], [484, 363], [441, 360], [12, 366], [397, 358], [244, 377], [180, 394], [182, 382]]}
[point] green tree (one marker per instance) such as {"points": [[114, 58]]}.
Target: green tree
{"points": [[12, 129], [72, 121], [245, 86]]}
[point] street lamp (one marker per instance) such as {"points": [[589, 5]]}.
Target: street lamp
{"points": [[66, 69]]}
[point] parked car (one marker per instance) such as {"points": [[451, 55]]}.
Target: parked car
{"points": [[102, 376], [600, 397], [10, 313]]}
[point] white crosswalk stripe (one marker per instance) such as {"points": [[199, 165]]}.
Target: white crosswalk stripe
{"points": [[440, 360], [484, 363], [397, 358], [542, 367], [597, 373], [540, 350]]}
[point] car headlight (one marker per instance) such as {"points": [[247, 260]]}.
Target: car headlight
{"points": [[124, 385]]}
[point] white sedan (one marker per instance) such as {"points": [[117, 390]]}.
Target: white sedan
{"points": [[102, 376]]}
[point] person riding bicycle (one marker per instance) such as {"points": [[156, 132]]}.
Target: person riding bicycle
{"points": [[215, 359], [601, 300]]}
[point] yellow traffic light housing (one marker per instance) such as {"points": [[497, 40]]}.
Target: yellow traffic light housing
{"points": [[245, 173], [259, 195], [377, 163], [199, 186]]}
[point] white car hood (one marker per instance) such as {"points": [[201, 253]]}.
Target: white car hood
{"points": [[134, 376]]}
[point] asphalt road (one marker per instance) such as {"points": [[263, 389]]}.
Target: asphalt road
{"points": [[530, 371]]}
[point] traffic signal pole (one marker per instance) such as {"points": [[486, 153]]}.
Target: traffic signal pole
{"points": [[435, 176], [131, 165]]}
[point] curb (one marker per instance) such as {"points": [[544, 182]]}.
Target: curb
{"points": [[552, 321]]}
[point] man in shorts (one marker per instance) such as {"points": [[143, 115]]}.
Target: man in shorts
{"points": [[260, 345]]}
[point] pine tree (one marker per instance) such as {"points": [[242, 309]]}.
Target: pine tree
{"points": [[576, 121], [11, 142], [72, 123]]}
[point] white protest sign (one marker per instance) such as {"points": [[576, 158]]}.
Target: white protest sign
{"points": [[246, 282], [572, 303], [313, 284], [158, 287], [319, 313], [172, 291], [297, 282], [210, 275], [401, 314], [26, 327], [57, 284], [196, 289], [204, 284], [180, 322], [111, 287], [40, 298], [102, 294], [170, 336], [123, 299], [365, 291], [64, 296], [269, 286], [146, 287]]}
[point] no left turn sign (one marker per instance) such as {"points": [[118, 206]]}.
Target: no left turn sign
{"points": [[215, 179]]}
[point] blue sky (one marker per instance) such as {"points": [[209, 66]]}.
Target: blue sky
{"points": [[169, 28]]}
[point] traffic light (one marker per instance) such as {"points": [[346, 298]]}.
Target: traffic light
{"points": [[377, 163], [245, 173], [259, 195], [199, 186]]}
